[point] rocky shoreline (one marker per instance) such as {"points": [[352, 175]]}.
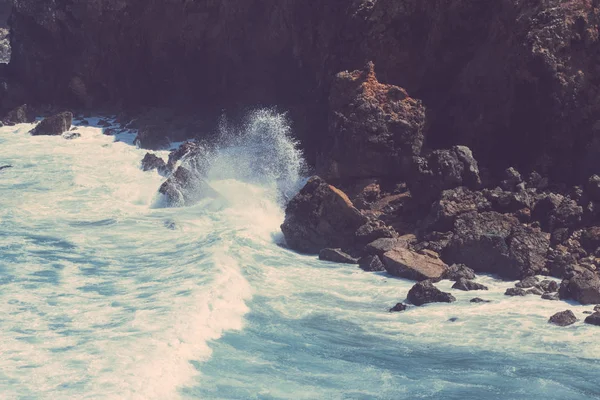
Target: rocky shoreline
{"points": [[477, 152]]}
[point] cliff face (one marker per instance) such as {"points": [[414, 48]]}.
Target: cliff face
{"points": [[516, 80]]}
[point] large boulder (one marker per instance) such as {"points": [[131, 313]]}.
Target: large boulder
{"points": [[321, 216], [374, 129], [497, 243], [425, 292], [185, 188], [593, 319], [405, 263], [584, 287], [55, 125], [441, 170], [563, 318]]}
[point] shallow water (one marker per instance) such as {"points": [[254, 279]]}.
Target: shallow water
{"points": [[106, 296]]}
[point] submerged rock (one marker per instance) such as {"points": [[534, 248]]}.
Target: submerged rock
{"points": [[54, 125], [336, 255], [321, 216], [467, 285], [71, 135], [425, 292], [563, 318], [399, 307], [515, 292], [407, 264], [479, 300]]}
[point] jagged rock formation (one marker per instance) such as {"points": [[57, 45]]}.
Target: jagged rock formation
{"points": [[516, 81]]}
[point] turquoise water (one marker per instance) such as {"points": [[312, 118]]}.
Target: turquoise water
{"points": [[104, 295]]}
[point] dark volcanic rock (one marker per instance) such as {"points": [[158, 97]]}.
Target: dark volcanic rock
{"points": [[497, 243], [407, 264], [54, 125], [441, 170], [467, 285], [425, 292], [321, 216], [152, 161], [593, 319], [336, 255], [454, 202], [398, 307], [184, 188], [548, 286], [374, 129], [20, 115], [456, 272], [479, 300], [584, 287], [371, 264], [563, 318]]}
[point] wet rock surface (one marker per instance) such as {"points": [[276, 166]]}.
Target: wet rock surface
{"points": [[467, 285], [54, 125], [321, 216], [425, 292], [563, 318]]}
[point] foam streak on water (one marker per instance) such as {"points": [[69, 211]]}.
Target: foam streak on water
{"points": [[105, 296]]}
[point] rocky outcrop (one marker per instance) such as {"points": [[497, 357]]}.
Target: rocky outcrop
{"points": [[152, 162], [375, 129], [407, 264], [425, 292], [321, 216], [19, 115], [497, 243], [515, 81], [563, 318], [186, 188], [54, 125], [399, 307], [584, 287]]}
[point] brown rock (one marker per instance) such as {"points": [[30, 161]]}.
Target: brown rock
{"points": [[374, 129], [321, 216], [407, 264]]}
